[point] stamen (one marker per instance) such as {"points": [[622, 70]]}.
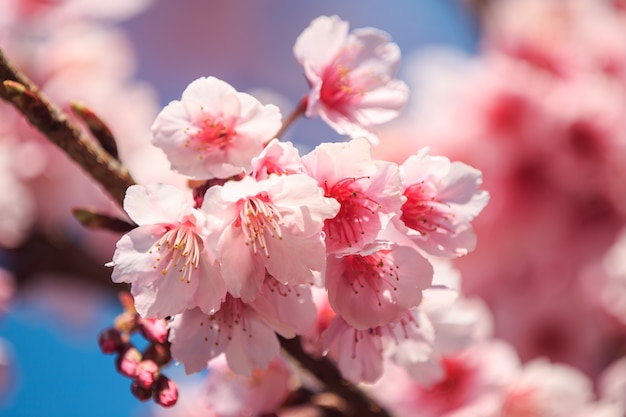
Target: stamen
{"points": [[231, 317], [356, 207], [210, 133], [178, 249], [372, 271], [260, 219], [423, 212]]}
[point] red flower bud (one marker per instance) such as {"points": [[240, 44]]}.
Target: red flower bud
{"points": [[127, 361], [146, 373], [110, 341], [165, 392]]}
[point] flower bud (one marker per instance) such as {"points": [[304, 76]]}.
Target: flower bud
{"points": [[159, 353], [141, 393], [127, 361], [110, 341], [153, 329], [146, 373], [165, 392]]}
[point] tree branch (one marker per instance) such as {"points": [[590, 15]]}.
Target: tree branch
{"points": [[18, 90], [357, 403]]}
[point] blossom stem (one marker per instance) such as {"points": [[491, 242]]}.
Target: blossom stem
{"points": [[358, 404], [295, 114], [18, 90]]}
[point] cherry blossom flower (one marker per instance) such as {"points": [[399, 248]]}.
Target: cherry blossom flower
{"points": [[360, 354], [473, 384], [235, 330], [164, 259], [457, 323], [367, 190], [378, 285], [244, 332], [351, 76], [442, 198], [289, 309], [214, 131], [547, 390], [277, 158], [274, 225]]}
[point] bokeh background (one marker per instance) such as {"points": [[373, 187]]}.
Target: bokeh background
{"points": [[531, 92]]}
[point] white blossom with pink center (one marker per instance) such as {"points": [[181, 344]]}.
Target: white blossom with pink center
{"points": [[351, 76], [288, 309], [245, 332], [235, 330], [378, 285], [367, 190], [358, 353], [442, 198], [280, 158], [273, 225], [214, 131], [164, 258]]}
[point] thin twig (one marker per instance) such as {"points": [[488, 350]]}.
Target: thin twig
{"points": [[295, 114], [18, 90]]}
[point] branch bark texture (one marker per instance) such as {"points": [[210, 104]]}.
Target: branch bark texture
{"points": [[18, 90]]}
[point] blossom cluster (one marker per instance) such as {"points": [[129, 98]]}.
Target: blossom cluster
{"points": [[542, 105], [334, 245], [353, 250]]}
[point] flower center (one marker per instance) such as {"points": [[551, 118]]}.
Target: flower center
{"points": [[346, 228], [450, 393], [212, 133], [178, 251], [258, 219], [423, 212], [226, 320], [337, 91], [373, 271]]}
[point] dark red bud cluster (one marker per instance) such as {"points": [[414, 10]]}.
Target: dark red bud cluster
{"points": [[144, 368]]}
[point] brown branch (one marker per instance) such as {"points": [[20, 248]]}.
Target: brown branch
{"points": [[58, 255], [18, 90], [357, 403], [295, 114], [94, 220]]}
